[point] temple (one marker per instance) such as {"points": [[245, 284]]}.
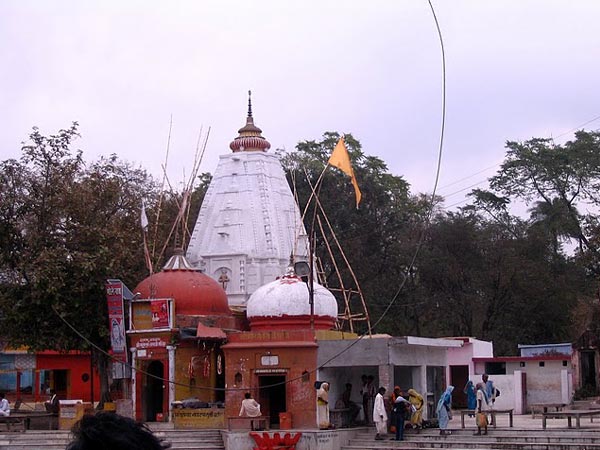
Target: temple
{"points": [[249, 223]]}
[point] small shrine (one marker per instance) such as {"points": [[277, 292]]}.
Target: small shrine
{"points": [[276, 360], [178, 321]]}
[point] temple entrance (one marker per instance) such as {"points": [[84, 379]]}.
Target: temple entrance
{"points": [[153, 391], [459, 375], [272, 396]]}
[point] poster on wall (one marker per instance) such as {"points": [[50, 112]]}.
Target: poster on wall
{"points": [[160, 313]]}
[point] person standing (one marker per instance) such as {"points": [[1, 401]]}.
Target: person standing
{"points": [[323, 406], [368, 394], [490, 389], [4, 406], [401, 409], [349, 404], [444, 409], [482, 408], [417, 402], [471, 396], [250, 407], [380, 415]]}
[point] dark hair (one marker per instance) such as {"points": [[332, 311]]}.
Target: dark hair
{"points": [[2, 394], [247, 395], [107, 430]]}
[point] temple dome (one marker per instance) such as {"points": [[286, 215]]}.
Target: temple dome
{"points": [[284, 304], [195, 293]]}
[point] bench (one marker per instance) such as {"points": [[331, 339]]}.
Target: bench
{"points": [[544, 407], [340, 417], [248, 423], [569, 414], [20, 422], [492, 413]]}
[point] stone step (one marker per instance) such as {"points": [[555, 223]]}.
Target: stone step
{"points": [[497, 434], [393, 445], [58, 439], [461, 442]]}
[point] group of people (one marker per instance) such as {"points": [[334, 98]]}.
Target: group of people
{"points": [[481, 398], [403, 408]]}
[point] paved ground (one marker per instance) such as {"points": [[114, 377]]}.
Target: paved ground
{"points": [[526, 422]]}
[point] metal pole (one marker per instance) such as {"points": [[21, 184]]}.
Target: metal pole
{"points": [[311, 285]]}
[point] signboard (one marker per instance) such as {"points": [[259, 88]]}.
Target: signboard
{"points": [[114, 301], [208, 418], [160, 313], [150, 342], [152, 314]]}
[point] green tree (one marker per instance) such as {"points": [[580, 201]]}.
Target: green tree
{"points": [[66, 228], [377, 238], [558, 176]]}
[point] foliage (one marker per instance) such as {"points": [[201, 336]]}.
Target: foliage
{"points": [[66, 228], [373, 235]]}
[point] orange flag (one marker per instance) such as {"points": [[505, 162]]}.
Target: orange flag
{"points": [[340, 159]]}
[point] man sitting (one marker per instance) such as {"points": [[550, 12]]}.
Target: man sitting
{"points": [[250, 407], [4, 406], [52, 405]]}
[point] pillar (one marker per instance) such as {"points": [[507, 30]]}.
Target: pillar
{"points": [[171, 351], [133, 351], [386, 377]]}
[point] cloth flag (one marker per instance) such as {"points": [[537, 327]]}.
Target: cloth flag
{"points": [[144, 217], [340, 159]]}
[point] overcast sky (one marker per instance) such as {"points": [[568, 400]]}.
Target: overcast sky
{"points": [[515, 70]]}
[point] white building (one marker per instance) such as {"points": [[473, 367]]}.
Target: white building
{"points": [[249, 224]]}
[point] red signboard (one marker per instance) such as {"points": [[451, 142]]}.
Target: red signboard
{"points": [[114, 300], [160, 313]]}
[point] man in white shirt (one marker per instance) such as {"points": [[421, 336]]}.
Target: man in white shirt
{"points": [[4, 406], [380, 415], [250, 407]]}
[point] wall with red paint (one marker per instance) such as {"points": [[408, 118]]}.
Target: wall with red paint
{"points": [[77, 364]]}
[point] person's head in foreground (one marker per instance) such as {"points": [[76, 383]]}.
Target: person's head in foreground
{"points": [[109, 431]]}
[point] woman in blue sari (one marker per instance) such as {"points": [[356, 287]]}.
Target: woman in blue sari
{"points": [[444, 409], [471, 396]]}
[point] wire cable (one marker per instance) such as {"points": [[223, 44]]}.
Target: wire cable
{"points": [[398, 291]]}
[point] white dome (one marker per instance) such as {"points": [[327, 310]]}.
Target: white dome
{"points": [[287, 297]]}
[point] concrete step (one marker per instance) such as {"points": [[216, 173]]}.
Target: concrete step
{"points": [[507, 441], [58, 439], [499, 436]]}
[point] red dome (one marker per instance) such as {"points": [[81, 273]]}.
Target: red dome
{"points": [[195, 293]]}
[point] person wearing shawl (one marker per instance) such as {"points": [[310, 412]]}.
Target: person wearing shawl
{"points": [[250, 407], [379, 414], [471, 396], [416, 400], [323, 406], [444, 409], [482, 409]]}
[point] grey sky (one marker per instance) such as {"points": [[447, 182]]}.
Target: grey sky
{"points": [[515, 69]]}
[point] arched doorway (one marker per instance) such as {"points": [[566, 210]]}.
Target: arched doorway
{"points": [[152, 399]]}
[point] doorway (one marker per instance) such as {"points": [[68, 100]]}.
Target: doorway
{"points": [[459, 375], [153, 391], [588, 370], [271, 395]]}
